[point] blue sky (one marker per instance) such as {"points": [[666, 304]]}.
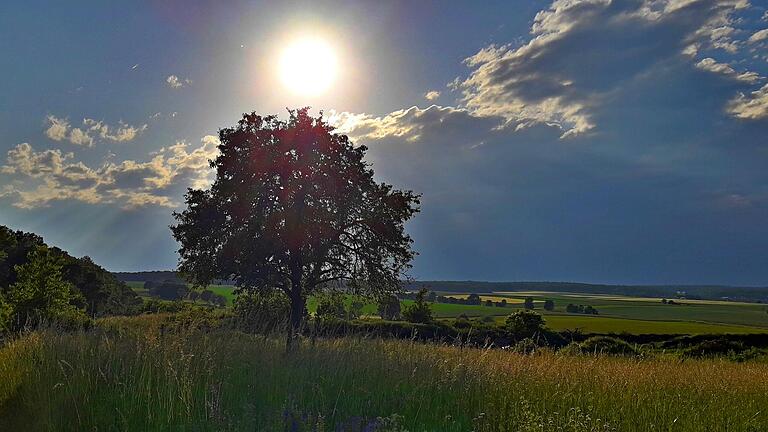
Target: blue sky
{"points": [[598, 141]]}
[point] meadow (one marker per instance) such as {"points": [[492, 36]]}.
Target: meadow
{"points": [[136, 374]]}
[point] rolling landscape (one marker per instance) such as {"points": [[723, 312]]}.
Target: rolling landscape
{"points": [[364, 216]]}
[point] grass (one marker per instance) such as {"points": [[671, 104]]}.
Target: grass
{"points": [[128, 375]]}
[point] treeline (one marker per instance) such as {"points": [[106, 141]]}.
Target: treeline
{"points": [[41, 283], [690, 292]]}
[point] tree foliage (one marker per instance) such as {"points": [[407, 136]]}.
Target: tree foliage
{"points": [[525, 323], [100, 293], [419, 311], [40, 294], [294, 207]]}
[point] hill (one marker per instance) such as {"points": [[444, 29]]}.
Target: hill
{"points": [[102, 292]]}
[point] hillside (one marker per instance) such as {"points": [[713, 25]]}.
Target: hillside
{"points": [[103, 294]]}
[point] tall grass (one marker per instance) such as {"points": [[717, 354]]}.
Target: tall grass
{"points": [[130, 374]]}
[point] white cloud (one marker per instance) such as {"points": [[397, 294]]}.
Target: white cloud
{"points": [[175, 82], [709, 64], [751, 107], [583, 53], [758, 36], [60, 129], [37, 178], [432, 95]]}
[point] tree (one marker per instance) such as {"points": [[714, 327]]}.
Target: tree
{"points": [[389, 308], [528, 303], [419, 311], [489, 303], [549, 305], [294, 208], [40, 294], [524, 324], [474, 299]]}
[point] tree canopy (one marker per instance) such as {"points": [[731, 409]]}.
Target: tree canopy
{"points": [[294, 207]]}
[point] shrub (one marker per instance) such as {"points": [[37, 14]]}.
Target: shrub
{"points": [[419, 311], [525, 346], [355, 309], [261, 311], [607, 345], [714, 348], [330, 305], [549, 305], [524, 324], [528, 304]]}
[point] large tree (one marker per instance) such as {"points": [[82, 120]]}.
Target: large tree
{"points": [[294, 207]]}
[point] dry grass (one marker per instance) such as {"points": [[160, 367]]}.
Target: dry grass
{"points": [[128, 374]]}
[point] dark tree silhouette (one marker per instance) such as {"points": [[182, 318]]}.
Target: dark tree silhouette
{"points": [[294, 207]]}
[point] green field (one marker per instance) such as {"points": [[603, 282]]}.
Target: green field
{"points": [[618, 314]]}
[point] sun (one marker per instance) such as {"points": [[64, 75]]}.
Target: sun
{"points": [[308, 67]]}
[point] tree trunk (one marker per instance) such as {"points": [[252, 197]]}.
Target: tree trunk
{"points": [[297, 313]]}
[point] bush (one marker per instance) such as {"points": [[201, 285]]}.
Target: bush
{"points": [[714, 348], [605, 345], [330, 306], [261, 311], [524, 324], [419, 312], [549, 305]]}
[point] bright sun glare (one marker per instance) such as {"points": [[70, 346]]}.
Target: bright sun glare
{"points": [[308, 67]]}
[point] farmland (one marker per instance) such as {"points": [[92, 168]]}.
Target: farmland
{"points": [[617, 314]]}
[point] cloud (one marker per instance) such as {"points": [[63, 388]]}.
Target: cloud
{"points": [[758, 36], [37, 178], [751, 107], [175, 82], [709, 64], [432, 95], [582, 54], [60, 130], [408, 124]]}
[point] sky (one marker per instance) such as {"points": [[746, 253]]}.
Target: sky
{"points": [[598, 141]]}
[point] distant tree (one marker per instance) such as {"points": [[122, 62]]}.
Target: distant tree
{"points": [[502, 303], [330, 305], [664, 301], [294, 207], [40, 294], [571, 308], [590, 310], [524, 324], [474, 299], [432, 296], [489, 303], [419, 311], [549, 305], [528, 304], [169, 290], [389, 308]]}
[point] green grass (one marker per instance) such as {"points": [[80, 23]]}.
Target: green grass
{"points": [[128, 375]]}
